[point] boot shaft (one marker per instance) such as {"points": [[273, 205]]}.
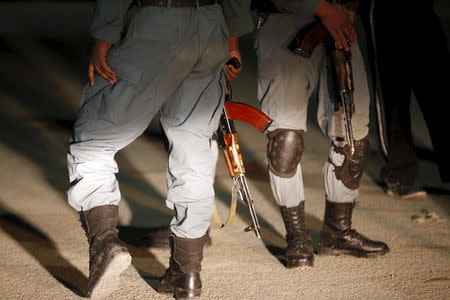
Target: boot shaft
{"points": [[338, 216], [99, 221], [182, 278], [108, 256], [186, 254], [299, 251], [294, 220]]}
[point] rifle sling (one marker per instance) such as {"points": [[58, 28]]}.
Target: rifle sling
{"points": [[231, 215]]}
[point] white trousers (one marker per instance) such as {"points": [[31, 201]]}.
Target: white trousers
{"points": [[170, 61], [287, 82]]}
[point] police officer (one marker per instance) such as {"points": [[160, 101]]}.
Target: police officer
{"points": [[286, 82], [152, 56], [427, 78]]}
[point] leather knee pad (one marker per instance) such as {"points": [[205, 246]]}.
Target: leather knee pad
{"points": [[284, 151], [352, 168]]}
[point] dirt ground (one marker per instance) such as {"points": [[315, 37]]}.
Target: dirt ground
{"points": [[44, 250]]}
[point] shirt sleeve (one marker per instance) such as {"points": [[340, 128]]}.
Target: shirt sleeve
{"points": [[296, 6], [108, 19], [238, 17]]}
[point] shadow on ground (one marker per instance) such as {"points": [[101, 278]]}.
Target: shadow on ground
{"points": [[43, 141], [44, 250]]}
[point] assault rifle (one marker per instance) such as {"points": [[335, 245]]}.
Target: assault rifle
{"points": [[304, 43], [229, 143]]}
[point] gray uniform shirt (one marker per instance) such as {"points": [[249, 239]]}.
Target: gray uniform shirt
{"points": [[109, 18]]}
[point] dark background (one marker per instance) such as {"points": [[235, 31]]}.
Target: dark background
{"points": [[44, 52]]}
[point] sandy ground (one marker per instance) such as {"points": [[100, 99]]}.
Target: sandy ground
{"points": [[44, 250]]}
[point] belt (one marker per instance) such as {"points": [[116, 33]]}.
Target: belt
{"points": [[175, 3]]}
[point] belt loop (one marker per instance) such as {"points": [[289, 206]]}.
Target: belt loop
{"points": [[138, 2], [197, 3], [169, 3]]}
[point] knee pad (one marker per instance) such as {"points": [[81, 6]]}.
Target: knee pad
{"points": [[284, 151], [352, 168]]}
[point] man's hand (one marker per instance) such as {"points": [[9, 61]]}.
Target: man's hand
{"points": [[98, 63], [231, 71], [336, 19]]}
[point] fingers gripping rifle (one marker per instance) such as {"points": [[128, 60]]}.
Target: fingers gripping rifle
{"points": [[229, 143], [304, 44]]}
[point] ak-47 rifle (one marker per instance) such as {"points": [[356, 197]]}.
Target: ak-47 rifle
{"points": [[229, 143], [304, 43]]}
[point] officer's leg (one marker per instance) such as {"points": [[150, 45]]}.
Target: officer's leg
{"points": [[103, 128], [150, 66], [332, 123], [343, 170], [189, 119], [430, 87], [159, 238], [285, 84], [396, 71]]}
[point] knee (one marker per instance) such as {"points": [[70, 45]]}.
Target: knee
{"points": [[284, 151], [360, 124], [88, 158]]}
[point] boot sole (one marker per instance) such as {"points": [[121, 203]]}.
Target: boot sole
{"points": [[300, 264], [109, 280], [182, 296], [335, 252], [300, 268], [187, 295]]}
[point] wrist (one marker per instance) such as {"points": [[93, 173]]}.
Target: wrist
{"points": [[102, 44], [233, 44], [322, 8], [235, 53]]}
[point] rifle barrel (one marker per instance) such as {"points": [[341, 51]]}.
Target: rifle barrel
{"points": [[246, 197], [348, 110]]}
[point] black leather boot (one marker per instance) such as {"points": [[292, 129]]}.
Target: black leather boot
{"points": [[182, 278], [108, 256], [299, 252], [337, 236]]}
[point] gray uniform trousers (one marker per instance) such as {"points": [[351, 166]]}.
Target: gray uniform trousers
{"points": [[170, 61], [286, 82]]}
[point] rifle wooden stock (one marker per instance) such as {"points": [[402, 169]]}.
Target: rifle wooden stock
{"points": [[308, 38], [247, 114], [232, 153]]}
